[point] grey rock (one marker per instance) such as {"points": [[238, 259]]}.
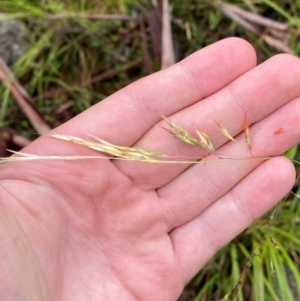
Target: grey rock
{"points": [[12, 40]]}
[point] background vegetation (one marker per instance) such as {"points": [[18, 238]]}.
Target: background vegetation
{"points": [[75, 53]]}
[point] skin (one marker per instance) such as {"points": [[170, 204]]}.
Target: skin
{"points": [[115, 230]]}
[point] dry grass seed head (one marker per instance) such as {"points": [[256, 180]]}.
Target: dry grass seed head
{"points": [[100, 145]]}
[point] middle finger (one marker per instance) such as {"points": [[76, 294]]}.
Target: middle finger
{"points": [[256, 94]]}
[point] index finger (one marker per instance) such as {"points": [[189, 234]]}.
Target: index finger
{"points": [[126, 115]]}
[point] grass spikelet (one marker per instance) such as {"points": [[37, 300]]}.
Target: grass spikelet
{"points": [[233, 293], [272, 270], [274, 243], [205, 141], [225, 132], [180, 133], [247, 132], [187, 138]]}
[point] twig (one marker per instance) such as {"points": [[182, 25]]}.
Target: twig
{"points": [[242, 17], [276, 44], [256, 18], [89, 16], [113, 72], [22, 98], [10, 135], [146, 55], [168, 57], [226, 10], [155, 26], [20, 140], [5, 73]]}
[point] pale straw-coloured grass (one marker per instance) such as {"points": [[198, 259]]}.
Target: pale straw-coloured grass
{"points": [[116, 152]]}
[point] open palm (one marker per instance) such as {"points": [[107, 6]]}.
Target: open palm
{"points": [[119, 230]]}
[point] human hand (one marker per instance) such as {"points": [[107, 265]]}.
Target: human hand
{"points": [[119, 230]]}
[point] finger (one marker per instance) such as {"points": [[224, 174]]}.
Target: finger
{"points": [[200, 186], [197, 241], [126, 115], [256, 94]]}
